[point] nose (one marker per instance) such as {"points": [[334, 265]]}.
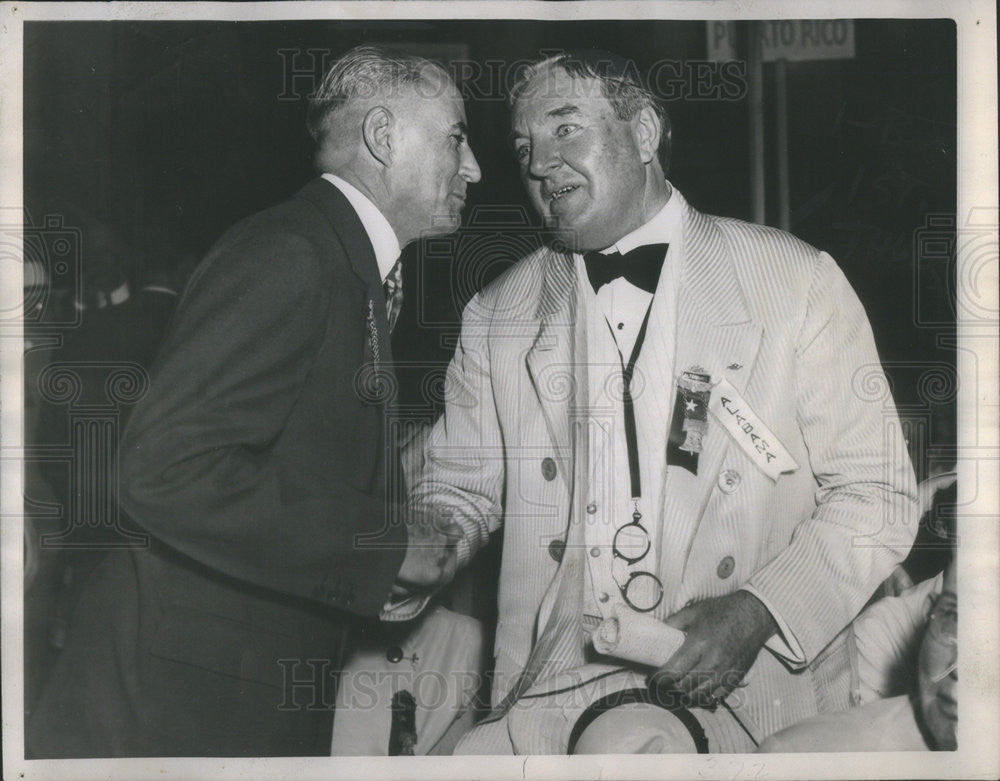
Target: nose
{"points": [[543, 159], [470, 167]]}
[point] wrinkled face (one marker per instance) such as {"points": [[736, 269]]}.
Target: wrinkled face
{"points": [[937, 675], [581, 165], [433, 163]]}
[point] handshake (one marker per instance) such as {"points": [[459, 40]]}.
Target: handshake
{"points": [[431, 556]]}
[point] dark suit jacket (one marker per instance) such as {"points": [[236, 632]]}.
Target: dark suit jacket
{"points": [[257, 462]]}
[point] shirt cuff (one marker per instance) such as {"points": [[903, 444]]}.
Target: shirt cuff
{"points": [[463, 551], [783, 643], [406, 608]]}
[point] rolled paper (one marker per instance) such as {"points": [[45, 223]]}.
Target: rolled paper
{"points": [[636, 638]]}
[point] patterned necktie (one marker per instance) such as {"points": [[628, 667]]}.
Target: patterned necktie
{"points": [[393, 287], [640, 266]]}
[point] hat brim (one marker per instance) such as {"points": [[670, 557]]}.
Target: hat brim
{"points": [[584, 709]]}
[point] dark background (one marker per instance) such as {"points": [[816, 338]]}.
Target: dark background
{"points": [[168, 132], [144, 141]]}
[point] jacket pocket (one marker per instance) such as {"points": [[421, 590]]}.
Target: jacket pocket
{"points": [[225, 646]]}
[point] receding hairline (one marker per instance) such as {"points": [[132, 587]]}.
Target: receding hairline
{"points": [[369, 76], [432, 81]]}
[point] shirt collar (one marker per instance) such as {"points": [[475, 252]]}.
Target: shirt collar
{"points": [[380, 232], [663, 228]]}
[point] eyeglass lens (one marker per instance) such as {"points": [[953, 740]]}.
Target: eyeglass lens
{"points": [[631, 542]]}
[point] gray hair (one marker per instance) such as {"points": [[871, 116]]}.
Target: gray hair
{"points": [[363, 72], [620, 82]]}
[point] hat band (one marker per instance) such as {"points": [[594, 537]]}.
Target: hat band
{"points": [[636, 697]]}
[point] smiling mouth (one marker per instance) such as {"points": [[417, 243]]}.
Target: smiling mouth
{"points": [[562, 191]]}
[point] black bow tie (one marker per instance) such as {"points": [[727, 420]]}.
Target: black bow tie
{"points": [[641, 266]]}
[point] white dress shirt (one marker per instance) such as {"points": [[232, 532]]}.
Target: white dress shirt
{"points": [[623, 306], [622, 303], [380, 232], [387, 251]]}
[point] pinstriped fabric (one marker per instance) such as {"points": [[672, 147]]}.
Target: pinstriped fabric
{"points": [[486, 739], [777, 319], [715, 330], [561, 642], [490, 444], [464, 456], [863, 474]]}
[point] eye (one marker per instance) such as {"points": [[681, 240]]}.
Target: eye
{"points": [[565, 130], [521, 151], [459, 139]]}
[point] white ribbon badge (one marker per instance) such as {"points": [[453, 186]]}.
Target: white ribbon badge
{"points": [[749, 431]]}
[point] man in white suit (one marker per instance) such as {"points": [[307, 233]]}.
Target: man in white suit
{"points": [[672, 414]]}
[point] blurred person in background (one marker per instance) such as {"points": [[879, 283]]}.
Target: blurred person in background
{"points": [[919, 715]]}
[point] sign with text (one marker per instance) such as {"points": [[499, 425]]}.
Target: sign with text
{"points": [[787, 39]]}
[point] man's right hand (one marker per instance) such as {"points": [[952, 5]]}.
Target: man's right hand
{"points": [[431, 558]]}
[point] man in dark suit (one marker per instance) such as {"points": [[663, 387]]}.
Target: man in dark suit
{"points": [[260, 461]]}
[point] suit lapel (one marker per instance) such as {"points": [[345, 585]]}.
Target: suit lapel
{"points": [[358, 249], [560, 383], [717, 335], [549, 361]]}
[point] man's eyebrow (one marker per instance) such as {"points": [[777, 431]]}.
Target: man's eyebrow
{"points": [[461, 127], [563, 111]]}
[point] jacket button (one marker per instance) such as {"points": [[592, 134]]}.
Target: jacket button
{"points": [[729, 481], [603, 596], [591, 508], [556, 549], [595, 552], [726, 567], [393, 653], [548, 469]]}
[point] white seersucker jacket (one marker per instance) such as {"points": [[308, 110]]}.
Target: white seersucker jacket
{"points": [[778, 320]]}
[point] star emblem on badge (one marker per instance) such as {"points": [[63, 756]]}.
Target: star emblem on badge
{"points": [[690, 405]]}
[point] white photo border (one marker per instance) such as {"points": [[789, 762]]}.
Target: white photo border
{"points": [[979, 682]]}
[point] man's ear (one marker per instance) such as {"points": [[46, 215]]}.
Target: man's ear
{"points": [[647, 129], [375, 129]]}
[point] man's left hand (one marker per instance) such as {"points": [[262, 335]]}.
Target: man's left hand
{"points": [[724, 636]]}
